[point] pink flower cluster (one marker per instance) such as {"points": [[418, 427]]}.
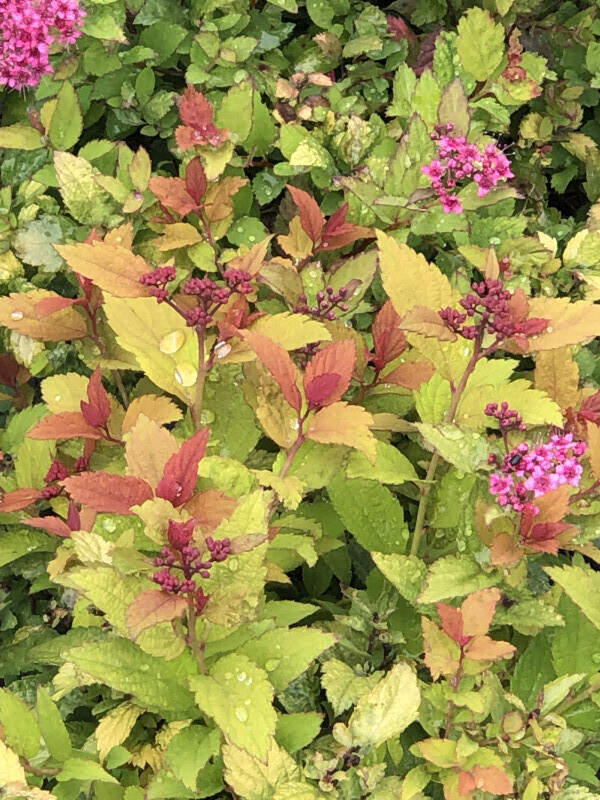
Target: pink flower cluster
{"points": [[457, 160], [27, 29], [528, 472], [186, 558]]}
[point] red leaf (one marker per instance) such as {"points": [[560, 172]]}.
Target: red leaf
{"points": [[389, 341], [9, 369], [104, 491], [399, 30], [172, 193], [195, 180], [452, 621], [335, 360], [19, 499], [277, 360], [53, 525], [152, 607], [337, 221], [338, 233], [97, 411], [66, 425], [181, 470], [196, 112], [311, 216]]}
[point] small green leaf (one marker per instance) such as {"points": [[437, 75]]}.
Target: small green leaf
{"points": [[582, 584], [52, 727], [80, 769], [343, 686], [189, 751], [295, 731], [454, 576], [66, 124], [21, 729], [20, 137], [480, 43]]}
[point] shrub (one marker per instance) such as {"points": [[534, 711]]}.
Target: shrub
{"points": [[301, 417]]}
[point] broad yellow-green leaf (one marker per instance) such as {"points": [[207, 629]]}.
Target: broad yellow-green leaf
{"points": [[64, 392], [454, 576], [164, 347], [390, 466], [84, 198], [406, 573], [465, 449], [387, 709], [582, 584], [343, 686], [189, 751], [409, 279], [236, 587], [66, 124], [52, 727], [291, 330], [20, 728], [480, 43], [238, 696], [534, 406], [298, 729], [20, 137], [115, 727], [256, 779], [286, 653], [84, 770]]}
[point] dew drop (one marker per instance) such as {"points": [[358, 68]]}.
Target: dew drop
{"points": [[186, 375], [172, 342], [241, 714], [222, 349], [57, 398], [16, 315], [145, 667], [232, 563], [247, 701], [248, 682], [241, 676], [228, 676], [272, 664]]}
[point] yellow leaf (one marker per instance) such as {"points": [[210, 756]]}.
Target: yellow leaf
{"points": [[113, 269], [448, 358], [297, 243], [341, 423], [65, 392], [164, 347], [593, 442], [251, 261], [218, 201], [291, 330], [535, 406], [409, 280], [569, 323], [115, 727], [155, 407], [557, 374], [180, 234], [263, 394], [441, 653], [121, 236], [21, 313], [427, 322], [11, 770], [148, 449]]}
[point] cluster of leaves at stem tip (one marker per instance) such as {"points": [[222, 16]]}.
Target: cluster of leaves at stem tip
{"points": [[300, 400]]}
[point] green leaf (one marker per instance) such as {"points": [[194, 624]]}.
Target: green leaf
{"points": [[371, 513], [414, 151], [321, 12], [20, 137], [235, 112], [17, 542], [406, 573], [285, 654], [582, 584], [465, 449], [33, 243], [66, 124], [122, 665], [295, 731], [533, 670], [85, 199], [287, 5], [454, 108], [80, 769], [432, 399], [52, 727], [238, 696], [21, 729], [454, 576], [389, 708], [256, 779], [405, 81], [343, 686], [189, 751], [315, 464], [390, 466], [529, 616], [576, 647], [233, 426], [480, 43]]}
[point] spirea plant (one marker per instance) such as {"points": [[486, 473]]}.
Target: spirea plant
{"points": [[300, 397]]}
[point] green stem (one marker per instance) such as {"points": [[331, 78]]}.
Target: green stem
{"points": [[435, 459], [196, 645], [116, 375]]}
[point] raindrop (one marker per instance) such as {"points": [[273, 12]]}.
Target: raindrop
{"points": [[186, 375], [272, 664], [16, 315], [57, 398], [145, 667], [232, 563], [222, 349], [248, 682], [241, 676], [172, 342], [241, 714]]}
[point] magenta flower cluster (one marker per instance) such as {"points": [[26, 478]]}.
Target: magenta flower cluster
{"points": [[183, 556], [327, 303], [528, 472], [458, 160], [508, 418], [27, 29]]}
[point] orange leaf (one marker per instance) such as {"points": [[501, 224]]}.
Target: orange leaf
{"points": [[113, 269], [19, 499], [277, 360], [172, 193], [66, 425], [504, 551], [388, 338], [492, 779], [311, 216], [105, 491], [410, 375], [253, 260], [197, 114], [482, 648], [553, 506], [341, 423], [336, 362], [144, 461], [210, 508], [19, 312], [427, 322], [569, 322], [218, 203], [478, 611], [181, 470], [160, 409], [452, 621], [53, 525], [153, 607], [593, 442], [442, 654]]}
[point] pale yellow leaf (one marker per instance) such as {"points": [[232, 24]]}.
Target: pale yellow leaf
{"points": [[155, 407], [180, 234], [569, 323], [115, 727], [593, 442], [65, 392], [557, 374], [149, 446], [11, 770], [113, 269], [341, 423]]}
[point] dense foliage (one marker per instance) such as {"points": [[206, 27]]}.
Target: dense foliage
{"points": [[300, 399]]}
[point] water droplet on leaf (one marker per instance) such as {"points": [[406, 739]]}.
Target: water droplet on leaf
{"points": [[241, 714], [16, 315], [186, 375], [172, 342]]}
